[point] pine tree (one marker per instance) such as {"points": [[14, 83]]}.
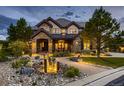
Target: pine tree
{"points": [[21, 31], [101, 27], [12, 33]]}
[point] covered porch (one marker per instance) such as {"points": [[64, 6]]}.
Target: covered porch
{"points": [[62, 45]]}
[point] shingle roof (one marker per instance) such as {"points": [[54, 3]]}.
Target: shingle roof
{"points": [[62, 22], [81, 24], [36, 32]]}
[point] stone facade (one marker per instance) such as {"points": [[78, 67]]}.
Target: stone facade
{"points": [[76, 47], [53, 31], [41, 36]]}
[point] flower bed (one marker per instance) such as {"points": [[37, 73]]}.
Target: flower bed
{"points": [[43, 79]]}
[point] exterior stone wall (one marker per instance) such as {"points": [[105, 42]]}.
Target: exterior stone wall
{"points": [[45, 26], [54, 27], [50, 45], [76, 45], [41, 36], [72, 27]]}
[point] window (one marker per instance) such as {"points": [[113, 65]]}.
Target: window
{"points": [[56, 31], [72, 31], [63, 31], [61, 45]]}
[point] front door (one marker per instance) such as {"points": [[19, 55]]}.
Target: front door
{"points": [[42, 45]]}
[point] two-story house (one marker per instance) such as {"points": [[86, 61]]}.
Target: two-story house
{"points": [[57, 35]]}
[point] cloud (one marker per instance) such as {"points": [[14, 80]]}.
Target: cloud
{"points": [[68, 14], [3, 37], [77, 16]]}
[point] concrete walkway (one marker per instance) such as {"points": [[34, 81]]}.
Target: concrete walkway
{"points": [[99, 79], [89, 69]]}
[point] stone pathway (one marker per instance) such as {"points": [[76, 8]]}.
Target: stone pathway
{"points": [[89, 69]]}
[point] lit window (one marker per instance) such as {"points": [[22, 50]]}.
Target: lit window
{"points": [[72, 31], [56, 30]]}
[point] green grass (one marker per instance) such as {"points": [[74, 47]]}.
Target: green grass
{"points": [[105, 61]]}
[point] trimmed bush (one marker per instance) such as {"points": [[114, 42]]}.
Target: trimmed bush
{"points": [[62, 54], [71, 72]]}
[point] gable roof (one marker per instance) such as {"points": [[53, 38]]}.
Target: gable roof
{"points": [[50, 19], [62, 22], [44, 21], [39, 31], [73, 23]]}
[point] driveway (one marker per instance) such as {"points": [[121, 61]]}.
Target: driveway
{"points": [[89, 69], [114, 54]]}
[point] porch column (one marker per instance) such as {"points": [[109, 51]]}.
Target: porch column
{"points": [[34, 49], [50, 44]]}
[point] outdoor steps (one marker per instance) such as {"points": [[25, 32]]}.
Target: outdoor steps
{"points": [[99, 79]]}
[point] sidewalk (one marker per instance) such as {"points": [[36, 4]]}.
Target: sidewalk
{"points": [[99, 79]]}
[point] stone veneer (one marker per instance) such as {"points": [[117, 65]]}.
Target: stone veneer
{"points": [[41, 36]]}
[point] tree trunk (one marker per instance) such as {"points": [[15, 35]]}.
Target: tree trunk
{"points": [[98, 47]]}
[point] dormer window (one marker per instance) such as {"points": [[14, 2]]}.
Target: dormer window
{"points": [[72, 31], [63, 32], [56, 31]]}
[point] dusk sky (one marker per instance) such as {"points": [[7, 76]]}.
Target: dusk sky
{"points": [[34, 14], [76, 13]]}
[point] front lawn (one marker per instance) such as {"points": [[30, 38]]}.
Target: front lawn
{"points": [[105, 61]]}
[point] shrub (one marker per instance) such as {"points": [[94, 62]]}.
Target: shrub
{"points": [[3, 56], [16, 64], [86, 52], [71, 72], [17, 48], [19, 63], [62, 54]]}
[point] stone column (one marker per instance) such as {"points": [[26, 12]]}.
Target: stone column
{"points": [[50, 45], [34, 49]]}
